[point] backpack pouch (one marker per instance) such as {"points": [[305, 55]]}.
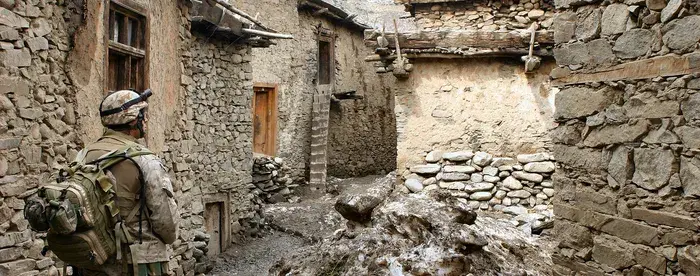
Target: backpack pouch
{"points": [[82, 249], [62, 217]]}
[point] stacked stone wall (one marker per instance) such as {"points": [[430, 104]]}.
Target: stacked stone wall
{"points": [[484, 15], [629, 182], [485, 181]]}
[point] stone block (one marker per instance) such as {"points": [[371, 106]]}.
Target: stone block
{"points": [[621, 167], [478, 187], [482, 159], [630, 230], [689, 135], [426, 169], [9, 34], [671, 10], [614, 19], [454, 176], [678, 237], [601, 52], [16, 267], [11, 19], [689, 259], [9, 143], [612, 252], [662, 135], [512, 183], [37, 44], [572, 235], [15, 58], [568, 134], [588, 25], [648, 258], [682, 34], [433, 156], [458, 169], [540, 167], [576, 266], [579, 102], [459, 156], [589, 199], [656, 5], [41, 27], [519, 194], [31, 113], [690, 176], [571, 54], [633, 43], [535, 157], [503, 161], [414, 185], [10, 254], [646, 105], [665, 218], [617, 134], [691, 107], [532, 177], [15, 238], [653, 168]]}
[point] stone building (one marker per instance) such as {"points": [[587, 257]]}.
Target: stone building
{"points": [[627, 138], [354, 133], [465, 97], [59, 58]]}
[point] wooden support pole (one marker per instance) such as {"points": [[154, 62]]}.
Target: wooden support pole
{"points": [[463, 39], [242, 14]]}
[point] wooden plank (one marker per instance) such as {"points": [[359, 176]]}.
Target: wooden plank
{"points": [[462, 39], [125, 49], [664, 66], [471, 54]]}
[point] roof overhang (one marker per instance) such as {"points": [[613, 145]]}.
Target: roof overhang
{"points": [[325, 9]]}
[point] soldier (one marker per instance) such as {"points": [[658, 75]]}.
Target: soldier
{"points": [[149, 212]]}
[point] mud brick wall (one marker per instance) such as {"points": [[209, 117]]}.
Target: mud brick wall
{"points": [[484, 15], [629, 182]]}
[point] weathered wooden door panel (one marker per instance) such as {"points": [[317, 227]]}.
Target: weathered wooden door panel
{"points": [[264, 120], [214, 227]]}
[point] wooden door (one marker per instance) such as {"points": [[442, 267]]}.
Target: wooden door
{"points": [[264, 119], [214, 228]]}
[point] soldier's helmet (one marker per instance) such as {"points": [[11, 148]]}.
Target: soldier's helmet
{"points": [[122, 107]]}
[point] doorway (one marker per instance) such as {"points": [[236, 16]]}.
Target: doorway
{"points": [[214, 225], [264, 118]]}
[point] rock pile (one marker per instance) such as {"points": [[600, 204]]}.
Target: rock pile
{"points": [[482, 15], [424, 234], [486, 182], [271, 183]]}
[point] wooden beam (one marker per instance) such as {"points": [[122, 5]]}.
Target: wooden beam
{"points": [[663, 66], [467, 54], [462, 39]]}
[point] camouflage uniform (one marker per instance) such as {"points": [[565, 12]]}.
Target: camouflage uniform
{"points": [[159, 225]]}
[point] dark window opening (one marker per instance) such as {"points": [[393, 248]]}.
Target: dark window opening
{"points": [[325, 66], [126, 49]]}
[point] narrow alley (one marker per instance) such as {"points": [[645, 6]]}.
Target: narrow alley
{"points": [[350, 137]]}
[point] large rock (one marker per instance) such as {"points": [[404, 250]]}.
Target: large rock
{"points": [[503, 161], [689, 135], [671, 10], [662, 134], [650, 259], [690, 176], [581, 102], [633, 43], [358, 207], [17, 267], [621, 167], [689, 259], [614, 19], [602, 52], [646, 105], [11, 19], [571, 54], [478, 187], [664, 218], [691, 107], [426, 169], [512, 183], [535, 157], [588, 26], [681, 34], [564, 26], [612, 252], [414, 185], [482, 159], [433, 156], [459, 156], [458, 169], [481, 196], [653, 168], [617, 134], [532, 177], [519, 194], [454, 176], [540, 167], [15, 58], [656, 5]]}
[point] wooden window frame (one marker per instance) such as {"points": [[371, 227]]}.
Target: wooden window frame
{"points": [[132, 10], [326, 36], [271, 148]]}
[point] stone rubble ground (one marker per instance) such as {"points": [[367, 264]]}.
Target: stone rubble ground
{"points": [[413, 233]]}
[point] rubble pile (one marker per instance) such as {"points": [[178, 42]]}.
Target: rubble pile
{"points": [[425, 234], [271, 183], [485, 181]]}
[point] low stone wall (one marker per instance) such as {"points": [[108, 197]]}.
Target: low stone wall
{"points": [[488, 182], [484, 15]]}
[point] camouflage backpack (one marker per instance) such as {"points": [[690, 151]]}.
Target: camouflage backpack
{"points": [[79, 211]]}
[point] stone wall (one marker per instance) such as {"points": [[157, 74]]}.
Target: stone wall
{"points": [[483, 15], [485, 181], [487, 105], [629, 181], [52, 76], [361, 132]]}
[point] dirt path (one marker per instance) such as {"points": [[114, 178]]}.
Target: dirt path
{"points": [[296, 224]]}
